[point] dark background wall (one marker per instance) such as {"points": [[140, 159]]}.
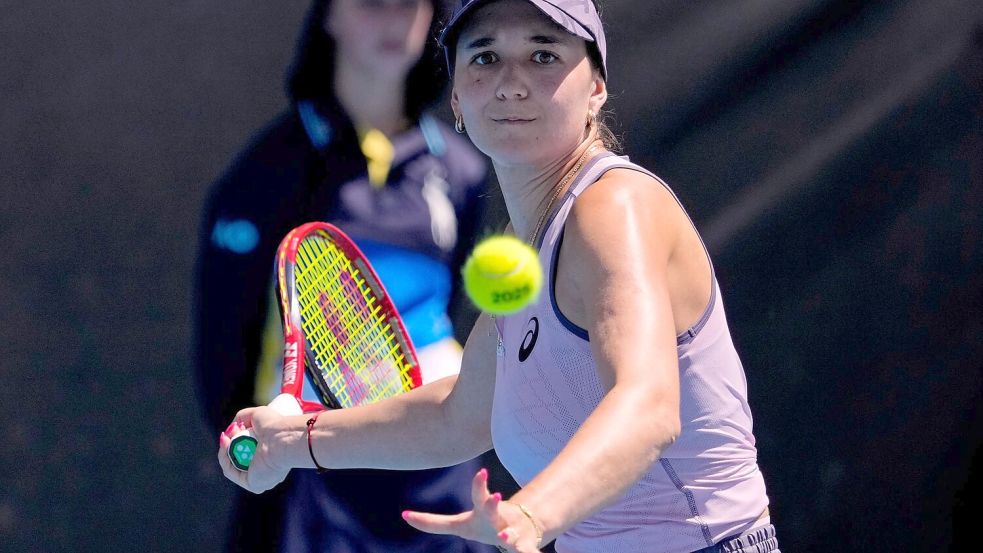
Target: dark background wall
{"points": [[831, 152]]}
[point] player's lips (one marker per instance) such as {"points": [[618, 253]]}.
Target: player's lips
{"points": [[511, 119]]}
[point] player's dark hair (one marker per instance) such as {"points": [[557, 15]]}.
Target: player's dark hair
{"points": [[312, 74]]}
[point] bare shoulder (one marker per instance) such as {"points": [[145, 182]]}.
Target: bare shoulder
{"points": [[627, 205], [628, 240]]}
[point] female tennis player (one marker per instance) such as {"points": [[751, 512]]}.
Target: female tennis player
{"points": [[617, 401]]}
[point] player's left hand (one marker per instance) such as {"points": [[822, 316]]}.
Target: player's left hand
{"points": [[492, 521]]}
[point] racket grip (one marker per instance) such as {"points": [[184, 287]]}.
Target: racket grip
{"points": [[244, 444]]}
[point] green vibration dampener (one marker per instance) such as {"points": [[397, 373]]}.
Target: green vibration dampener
{"points": [[241, 451]]}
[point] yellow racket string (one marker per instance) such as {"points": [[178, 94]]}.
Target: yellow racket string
{"points": [[332, 328], [336, 324], [355, 346]]}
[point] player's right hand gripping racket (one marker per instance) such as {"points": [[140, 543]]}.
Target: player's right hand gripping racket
{"points": [[339, 324]]}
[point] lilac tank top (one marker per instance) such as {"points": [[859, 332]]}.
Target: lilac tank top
{"points": [[706, 486]]}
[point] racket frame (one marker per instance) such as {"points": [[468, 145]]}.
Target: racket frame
{"points": [[297, 349]]}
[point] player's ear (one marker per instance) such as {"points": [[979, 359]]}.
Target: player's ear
{"points": [[455, 103], [598, 93]]}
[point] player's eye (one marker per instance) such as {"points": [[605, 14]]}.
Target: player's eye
{"points": [[543, 57], [484, 58]]}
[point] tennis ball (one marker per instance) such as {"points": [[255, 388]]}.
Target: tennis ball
{"points": [[502, 275]]}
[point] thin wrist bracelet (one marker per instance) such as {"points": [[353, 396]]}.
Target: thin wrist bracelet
{"points": [[532, 520], [310, 446]]}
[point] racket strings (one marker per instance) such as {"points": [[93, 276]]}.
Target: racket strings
{"points": [[355, 346], [339, 319], [343, 371]]}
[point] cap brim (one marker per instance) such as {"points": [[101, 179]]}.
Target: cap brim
{"points": [[558, 16], [448, 37]]}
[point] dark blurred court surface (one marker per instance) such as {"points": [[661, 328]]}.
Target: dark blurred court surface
{"points": [[831, 152]]}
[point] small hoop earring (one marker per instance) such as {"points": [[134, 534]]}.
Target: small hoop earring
{"points": [[459, 124], [591, 118]]}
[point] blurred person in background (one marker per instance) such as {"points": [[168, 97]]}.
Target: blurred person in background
{"points": [[357, 148]]}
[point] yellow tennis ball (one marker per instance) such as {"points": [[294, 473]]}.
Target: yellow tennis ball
{"points": [[503, 275]]}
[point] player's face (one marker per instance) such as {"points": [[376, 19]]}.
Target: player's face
{"points": [[523, 84], [386, 36]]}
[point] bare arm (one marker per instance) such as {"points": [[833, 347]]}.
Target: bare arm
{"points": [[618, 243], [440, 424]]}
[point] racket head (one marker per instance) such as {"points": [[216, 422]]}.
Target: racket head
{"points": [[339, 321]]}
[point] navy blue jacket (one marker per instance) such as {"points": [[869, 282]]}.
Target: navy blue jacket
{"points": [[306, 165]]}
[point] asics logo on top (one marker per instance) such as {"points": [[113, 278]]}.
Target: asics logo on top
{"points": [[529, 340]]}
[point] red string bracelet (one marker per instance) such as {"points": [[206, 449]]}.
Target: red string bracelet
{"points": [[310, 446]]}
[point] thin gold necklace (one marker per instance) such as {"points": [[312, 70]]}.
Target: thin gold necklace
{"points": [[561, 186]]}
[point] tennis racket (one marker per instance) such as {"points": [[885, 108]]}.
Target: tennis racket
{"points": [[339, 327]]}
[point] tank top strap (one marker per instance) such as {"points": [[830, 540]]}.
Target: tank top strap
{"points": [[607, 161], [595, 168], [552, 233], [591, 173]]}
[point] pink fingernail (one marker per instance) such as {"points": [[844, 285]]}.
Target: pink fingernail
{"points": [[483, 473], [504, 536], [497, 496], [406, 515]]}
